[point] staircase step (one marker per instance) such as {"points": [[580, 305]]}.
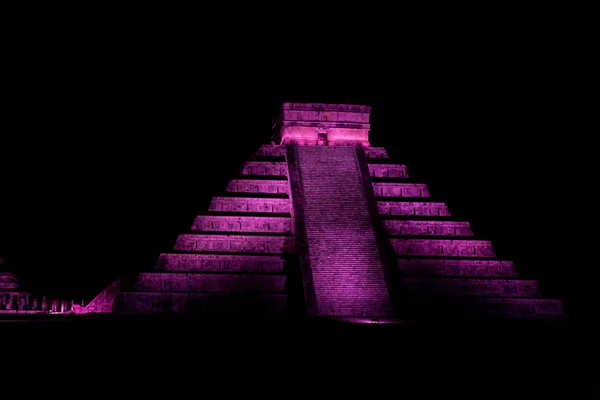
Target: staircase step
{"points": [[397, 189], [272, 168], [413, 208], [454, 267], [220, 263], [427, 228], [258, 186], [442, 247], [235, 243], [248, 204], [200, 282], [223, 223], [388, 170], [245, 303]]}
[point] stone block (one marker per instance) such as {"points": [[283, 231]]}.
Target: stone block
{"points": [[400, 208], [235, 243], [265, 168], [222, 223], [442, 248], [440, 267], [388, 171], [247, 204], [258, 186], [426, 228], [220, 263], [394, 189], [199, 282], [244, 303]]}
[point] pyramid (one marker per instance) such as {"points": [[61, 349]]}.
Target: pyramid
{"points": [[321, 223]]}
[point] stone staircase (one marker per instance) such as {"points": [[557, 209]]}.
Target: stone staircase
{"points": [[340, 251]]}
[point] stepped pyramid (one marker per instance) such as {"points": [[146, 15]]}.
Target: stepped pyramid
{"points": [[321, 223]]}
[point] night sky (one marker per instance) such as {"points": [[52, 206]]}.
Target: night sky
{"points": [[118, 143]]}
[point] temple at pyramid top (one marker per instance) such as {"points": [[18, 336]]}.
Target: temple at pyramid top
{"points": [[323, 124]]}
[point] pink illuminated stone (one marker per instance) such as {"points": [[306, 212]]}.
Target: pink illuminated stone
{"points": [[258, 186], [310, 216], [324, 124], [197, 282], [245, 204], [392, 189], [453, 267], [388, 171], [220, 263], [427, 228], [442, 247], [341, 254], [413, 208], [235, 243], [376, 153], [265, 168], [223, 223]]}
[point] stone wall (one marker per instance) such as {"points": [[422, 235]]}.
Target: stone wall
{"points": [[246, 204], [406, 208]]}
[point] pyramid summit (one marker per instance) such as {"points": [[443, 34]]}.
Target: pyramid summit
{"points": [[320, 223]]}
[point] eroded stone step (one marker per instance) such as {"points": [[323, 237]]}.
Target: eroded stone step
{"points": [[394, 189], [235, 243], [258, 186], [388, 170], [442, 247], [220, 263], [413, 208], [376, 152], [273, 168], [199, 282], [442, 286], [223, 223], [453, 267], [246, 303], [248, 204], [270, 150], [427, 228]]}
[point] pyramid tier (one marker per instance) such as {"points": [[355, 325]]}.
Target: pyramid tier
{"points": [[398, 189], [407, 208], [234, 243], [426, 228], [226, 223], [220, 263], [202, 282], [258, 186], [271, 150], [442, 247], [455, 267], [272, 168], [243, 303], [247, 204], [388, 171]]}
